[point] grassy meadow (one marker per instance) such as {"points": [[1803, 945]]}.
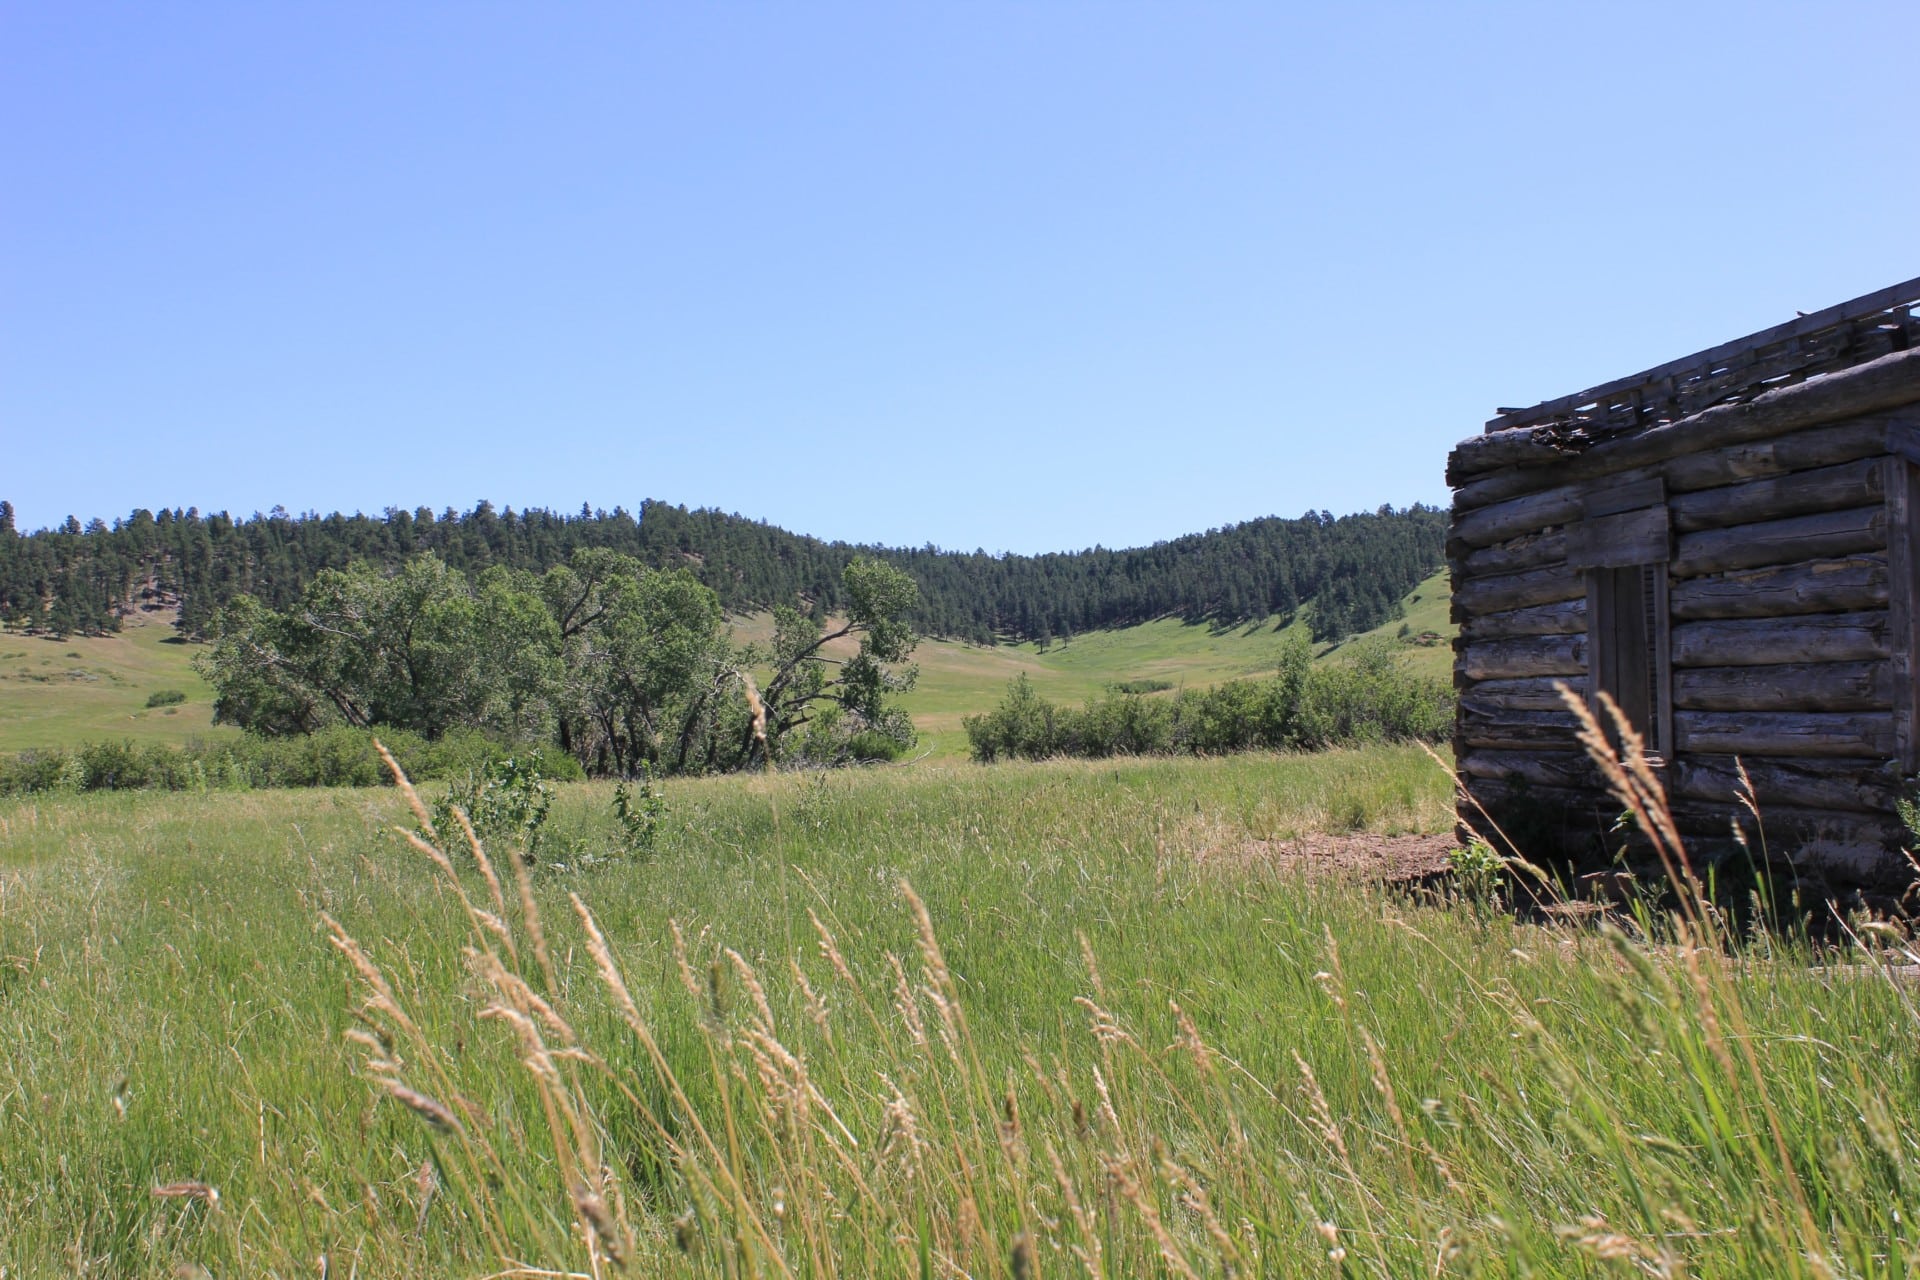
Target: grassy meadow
{"points": [[55, 693], [1105, 1033]]}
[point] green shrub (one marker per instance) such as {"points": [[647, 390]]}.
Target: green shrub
{"points": [[165, 698], [1367, 696]]}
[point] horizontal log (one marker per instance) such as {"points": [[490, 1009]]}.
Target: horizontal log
{"points": [[1504, 520], [1756, 642], [1822, 446], [1709, 468], [1570, 770], [1565, 618], [1852, 484], [1868, 735], [1831, 534], [1528, 551], [1478, 726], [1532, 693], [1855, 786], [1792, 686], [1885, 383], [1814, 586], [1522, 656], [1861, 846], [1502, 592]]}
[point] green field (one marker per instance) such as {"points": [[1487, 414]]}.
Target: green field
{"points": [[1124, 1040], [60, 692], [81, 689]]}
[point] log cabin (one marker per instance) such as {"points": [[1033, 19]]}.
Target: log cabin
{"points": [[1729, 546]]}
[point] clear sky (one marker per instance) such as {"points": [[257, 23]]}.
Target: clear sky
{"points": [[1026, 276]]}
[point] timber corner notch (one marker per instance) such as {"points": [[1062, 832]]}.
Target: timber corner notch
{"points": [[1729, 545]]}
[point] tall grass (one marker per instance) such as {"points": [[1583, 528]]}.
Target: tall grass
{"points": [[1016, 1022]]}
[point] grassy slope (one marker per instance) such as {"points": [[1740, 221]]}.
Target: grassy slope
{"points": [[1485, 1097], [44, 703], [58, 692], [958, 680]]}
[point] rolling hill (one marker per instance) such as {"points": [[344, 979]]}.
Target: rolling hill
{"points": [[55, 692]]}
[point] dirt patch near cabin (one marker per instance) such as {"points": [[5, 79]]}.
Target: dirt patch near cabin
{"points": [[1395, 859]]}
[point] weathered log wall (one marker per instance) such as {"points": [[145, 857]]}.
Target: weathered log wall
{"points": [[1789, 582]]}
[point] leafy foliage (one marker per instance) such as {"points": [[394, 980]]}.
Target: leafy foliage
{"points": [[1369, 697], [622, 667]]}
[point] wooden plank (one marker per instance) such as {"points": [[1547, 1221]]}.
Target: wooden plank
{"points": [[1565, 618], [1757, 642], [1903, 571], [1618, 540], [1831, 534], [1879, 301], [1523, 656], [1854, 786], [1814, 586], [1499, 593], [1852, 484], [1866, 735], [1791, 686]]}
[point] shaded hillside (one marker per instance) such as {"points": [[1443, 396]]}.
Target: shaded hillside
{"points": [[1354, 568]]}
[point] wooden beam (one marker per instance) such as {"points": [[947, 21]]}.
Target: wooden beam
{"points": [[1854, 786], [1870, 304], [1523, 656], [1851, 484], [1475, 597], [1708, 467], [1565, 618], [1866, 735], [1885, 383], [1792, 686], [1529, 693], [1757, 642], [1813, 586], [1831, 534]]}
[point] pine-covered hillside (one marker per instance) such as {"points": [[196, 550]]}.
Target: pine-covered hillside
{"points": [[78, 578]]}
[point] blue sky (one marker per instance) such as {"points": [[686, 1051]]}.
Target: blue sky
{"points": [[1023, 276]]}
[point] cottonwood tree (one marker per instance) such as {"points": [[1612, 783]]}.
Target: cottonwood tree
{"points": [[840, 698]]}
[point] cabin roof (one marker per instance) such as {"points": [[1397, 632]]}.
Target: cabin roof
{"points": [[1807, 346]]}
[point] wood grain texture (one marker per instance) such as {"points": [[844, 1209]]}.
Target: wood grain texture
{"points": [[1523, 656], [1848, 584], [1757, 642], [1852, 484], [1854, 786], [1793, 686], [1567, 617], [1867, 735], [1829, 535]]}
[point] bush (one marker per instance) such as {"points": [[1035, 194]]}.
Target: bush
{"points": [[166, 698], [1367, 696], [334, 757]]}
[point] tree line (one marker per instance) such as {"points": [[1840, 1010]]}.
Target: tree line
{"points": [[625, 668], [1353, 569]]}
